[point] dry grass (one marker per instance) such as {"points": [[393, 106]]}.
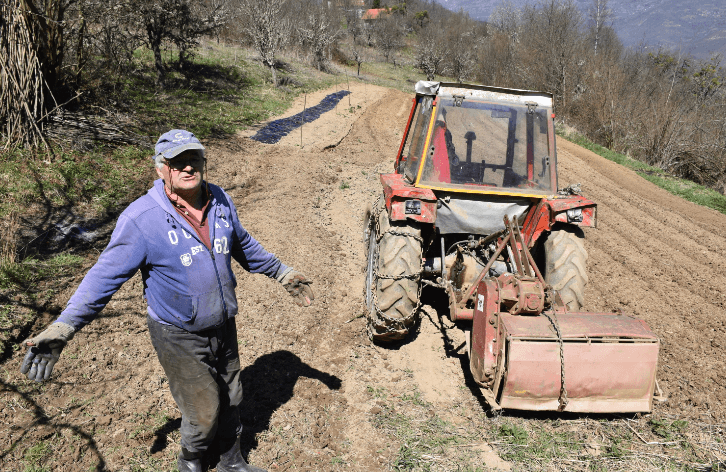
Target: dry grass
{"points": [[8, 237]]}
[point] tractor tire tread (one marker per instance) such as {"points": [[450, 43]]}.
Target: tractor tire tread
{"points": [[566, 265], [397, 298]]}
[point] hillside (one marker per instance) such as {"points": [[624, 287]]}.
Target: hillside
{"points": [[698, 28]]}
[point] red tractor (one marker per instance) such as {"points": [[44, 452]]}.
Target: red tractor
{"points": [[473, 208]]}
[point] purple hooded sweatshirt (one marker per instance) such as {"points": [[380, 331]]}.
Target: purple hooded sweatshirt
{"points": [[185, 284]]}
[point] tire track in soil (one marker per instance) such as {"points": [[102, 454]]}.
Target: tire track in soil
{"points": [[307, 372], [659, 258]]}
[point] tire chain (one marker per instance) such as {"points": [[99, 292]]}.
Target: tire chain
{"points": [[392, 324]]}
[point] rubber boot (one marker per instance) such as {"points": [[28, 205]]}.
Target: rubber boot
{"points": [[189, 461], [232, 461]]}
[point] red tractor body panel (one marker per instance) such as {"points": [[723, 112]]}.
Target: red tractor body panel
{"points": [[553, 210], [397, 192], [609, 360], [539, 219]]}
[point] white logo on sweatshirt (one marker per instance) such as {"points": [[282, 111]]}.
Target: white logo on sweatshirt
{"points": [[186, 259]]}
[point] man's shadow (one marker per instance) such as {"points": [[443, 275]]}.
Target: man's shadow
{"points": [[268, 384]]}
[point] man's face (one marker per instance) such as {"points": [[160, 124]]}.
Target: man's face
{"points": [[184, 172]]}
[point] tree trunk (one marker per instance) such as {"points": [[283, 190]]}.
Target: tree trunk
{"points": [[155, 44], [46, 28], [79, 46], [274, 75]]}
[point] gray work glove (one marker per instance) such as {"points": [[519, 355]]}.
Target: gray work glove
{"points": [[44, 351], [297, 286]]}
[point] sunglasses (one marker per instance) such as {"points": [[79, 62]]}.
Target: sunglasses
{"points": [[181, 163]]}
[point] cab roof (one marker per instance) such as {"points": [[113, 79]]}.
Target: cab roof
{"points": [[483, 92]]}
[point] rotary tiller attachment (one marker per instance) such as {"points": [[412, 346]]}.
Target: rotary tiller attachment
{"points": [[527, 352]]}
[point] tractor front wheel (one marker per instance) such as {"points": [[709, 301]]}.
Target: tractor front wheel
{"points": [[393, 274], [566, 264]]}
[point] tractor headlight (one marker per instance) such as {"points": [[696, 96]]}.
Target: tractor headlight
{"points": [[574, 215]]}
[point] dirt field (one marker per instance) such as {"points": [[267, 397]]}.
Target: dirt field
{"points": [[319, 396]]}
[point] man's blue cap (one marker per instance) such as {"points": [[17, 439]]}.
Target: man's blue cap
{"points": [[174, 142]]}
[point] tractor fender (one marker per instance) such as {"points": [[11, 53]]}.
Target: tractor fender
{"points": [[573, 209], [406, 202]]}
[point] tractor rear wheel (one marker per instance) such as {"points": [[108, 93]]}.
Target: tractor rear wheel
{"points": [[392, 276], [566, 264]]}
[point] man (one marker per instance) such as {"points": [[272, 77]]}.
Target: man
{"points": [[182, 235]]}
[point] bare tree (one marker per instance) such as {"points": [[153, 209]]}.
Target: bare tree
{"points": [[318, 32], [431, 53], [358, 58], [506, 18], [462, 56], [268, 27], [178, 21], [600, 15], [552, 36], [388, 35], [352, 21], [205, 18]]}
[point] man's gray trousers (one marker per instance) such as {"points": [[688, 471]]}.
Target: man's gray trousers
{"points": [[203, 370]]}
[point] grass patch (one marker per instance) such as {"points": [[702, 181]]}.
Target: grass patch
{"points": [[668, 429], [605, 444], [221, 90], [34, 456], [423, 438], [96, 180], [685, 189], [23, 274], [546, 441]]}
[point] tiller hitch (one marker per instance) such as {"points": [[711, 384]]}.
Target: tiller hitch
{"points": [[527, 352]]}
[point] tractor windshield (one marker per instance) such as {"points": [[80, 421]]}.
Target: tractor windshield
{"points": [[488, 144]]}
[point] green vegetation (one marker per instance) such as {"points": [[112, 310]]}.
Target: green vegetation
{"points": [[546, 441], [422, 436], [218, 93], [399, 76], [34, 456], [685, 189], [31, 270], [668, 429], [97, 179]]}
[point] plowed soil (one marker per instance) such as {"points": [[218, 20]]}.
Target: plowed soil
{"points": [[313, 382]]}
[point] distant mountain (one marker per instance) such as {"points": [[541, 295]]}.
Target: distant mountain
{"points": [[697, 27]]}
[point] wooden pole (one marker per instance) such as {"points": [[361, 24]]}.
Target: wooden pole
{"points": [[305, 104], [348, 80]]}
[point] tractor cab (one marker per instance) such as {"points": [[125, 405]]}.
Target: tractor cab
{"points": [[478, 139]]}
